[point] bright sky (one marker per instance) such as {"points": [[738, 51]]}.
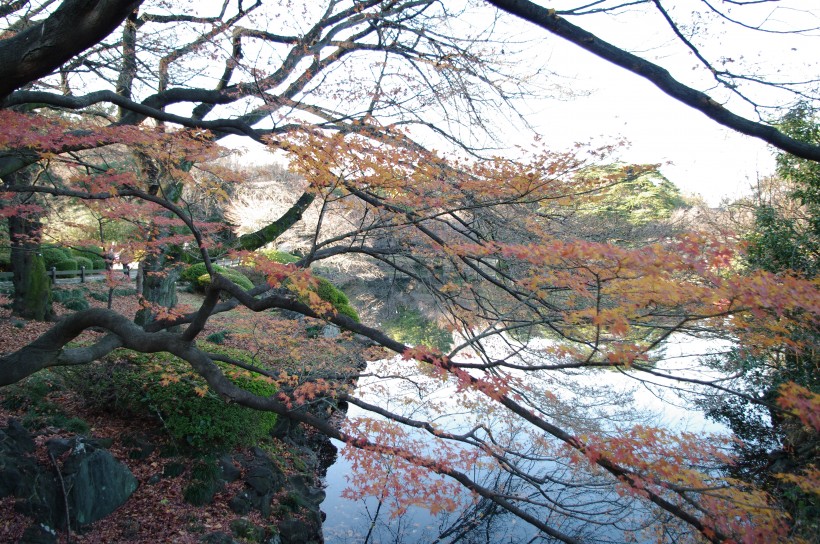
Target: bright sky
{"points": [[705, 157], [697, 154]]}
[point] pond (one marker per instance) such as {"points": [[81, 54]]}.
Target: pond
{"points": [[617, 399]]}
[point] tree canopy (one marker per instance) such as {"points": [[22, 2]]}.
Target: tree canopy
{"points": [[126, 121]]}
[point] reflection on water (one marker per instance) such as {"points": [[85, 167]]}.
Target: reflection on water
{"points": [[611, 400]]}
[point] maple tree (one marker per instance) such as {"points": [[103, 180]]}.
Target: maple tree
{"points": [[483, 235]]}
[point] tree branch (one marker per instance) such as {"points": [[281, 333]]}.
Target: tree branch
{"points": [[74, 27], [660, 77]]}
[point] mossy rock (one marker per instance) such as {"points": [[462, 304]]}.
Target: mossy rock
{"points": [[332, 294]]}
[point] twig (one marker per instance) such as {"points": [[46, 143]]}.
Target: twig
{"points": [[65, 497]]}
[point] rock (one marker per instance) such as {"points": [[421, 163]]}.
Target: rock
{"points": [[331, 331], [217, 538], [22, 477], [242, 528], [98, 484], [263, 480], [227, 470], [241, 504], [58, 446], [300, 531], [39, 534], [302, 486], [19, 436]]}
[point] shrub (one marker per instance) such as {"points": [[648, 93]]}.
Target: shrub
{"points": [[66, 266], [53, 255], [87, 252], [77, 304], [196, 270], [73, 299], [84, 262], [237, 277], [278, 256], [159, 385], [5, 259], [217, 337]]}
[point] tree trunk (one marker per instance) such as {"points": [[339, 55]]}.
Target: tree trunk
{"points": [[158, 287], [32, 286]]}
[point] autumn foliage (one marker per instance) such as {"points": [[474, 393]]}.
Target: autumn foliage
{"points": [[520, 412]]}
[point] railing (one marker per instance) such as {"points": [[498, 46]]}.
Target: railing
{"points": [[54, 274]]}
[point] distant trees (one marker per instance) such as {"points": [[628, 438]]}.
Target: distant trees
{"points": [[784, 236]]}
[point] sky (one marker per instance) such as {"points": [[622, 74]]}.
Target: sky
{"points": [[698, 155], [610, 103], [695, 153]]}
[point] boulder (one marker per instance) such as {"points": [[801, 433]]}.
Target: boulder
{"points": [[98, 484]]}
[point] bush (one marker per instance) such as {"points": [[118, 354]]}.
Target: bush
{"points": [[196, 270], [66, 266], [77, 304], [217, 337], [53, 255], [84, 262], [237, 277], [73, 299], [5, 259], [88, 252], [278, 256], [159, 385]]}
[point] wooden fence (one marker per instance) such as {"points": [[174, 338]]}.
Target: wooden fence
{"points": [[82, 274]]}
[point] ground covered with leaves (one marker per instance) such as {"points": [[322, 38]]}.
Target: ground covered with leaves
{"points": [[51, 405]]}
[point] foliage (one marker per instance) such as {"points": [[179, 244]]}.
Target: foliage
{"points": [[72, 299], [5, 259], [412, 328], [492, 242], [332, 294], [199, 278], [67, 265], [33, 397], [38, 290], [217, 337], [278, 256], [237, 277], [204, 482], [83, 262], [163, 387], [53, 255], [784, 238], [191, 273]]}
